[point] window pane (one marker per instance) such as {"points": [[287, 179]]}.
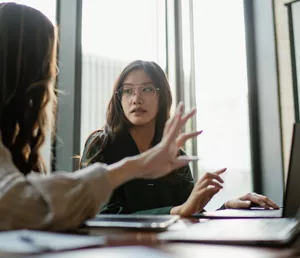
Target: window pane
{"points": [[115, 33], [222, 95]]}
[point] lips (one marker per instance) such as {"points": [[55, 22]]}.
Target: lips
{"points": [[138, 110]]}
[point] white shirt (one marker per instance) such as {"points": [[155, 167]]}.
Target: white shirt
{"points": [[49, 202]]}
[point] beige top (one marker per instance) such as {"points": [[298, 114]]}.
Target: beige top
{"points": [[51, 202]]}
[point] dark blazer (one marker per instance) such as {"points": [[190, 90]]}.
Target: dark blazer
{"points": [[156, 196]]}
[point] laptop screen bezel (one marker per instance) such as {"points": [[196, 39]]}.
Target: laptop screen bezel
{"points": [[288, 200]]}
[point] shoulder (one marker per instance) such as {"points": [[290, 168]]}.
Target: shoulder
{"points": [[93, 138], [91, 147]]}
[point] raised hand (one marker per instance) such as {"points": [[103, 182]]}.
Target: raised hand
{"points": [[203, 191], [162, 159]]}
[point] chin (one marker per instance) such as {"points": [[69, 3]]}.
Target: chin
{"points": [[139, 121]]}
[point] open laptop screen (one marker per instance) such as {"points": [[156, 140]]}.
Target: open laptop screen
{"points": [[292, 192]]}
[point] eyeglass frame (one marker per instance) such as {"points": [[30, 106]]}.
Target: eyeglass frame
{"points": [[139, 86]]}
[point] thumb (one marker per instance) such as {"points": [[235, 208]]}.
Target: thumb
{"points": [[182, 161]]}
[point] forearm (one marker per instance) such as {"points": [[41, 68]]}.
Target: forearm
{"points": [[125, 170], [55, 202]]}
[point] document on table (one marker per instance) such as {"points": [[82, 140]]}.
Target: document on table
{"points": [[112, 252], [29, 241]]}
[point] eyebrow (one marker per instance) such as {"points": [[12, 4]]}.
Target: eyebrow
{"points": [[131, 84]]}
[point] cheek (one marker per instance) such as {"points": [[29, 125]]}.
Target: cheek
{"points": [[155, 107], [124, 106]]}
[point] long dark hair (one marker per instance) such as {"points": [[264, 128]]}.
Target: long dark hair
{"points": [[116, 121], [27, 76]]}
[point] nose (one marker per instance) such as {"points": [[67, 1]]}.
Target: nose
{"points": [[137, 97]]}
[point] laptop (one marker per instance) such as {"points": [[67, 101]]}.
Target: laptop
{"points": [[241, 213], [291, 197], [133, 221], [262, 231]]}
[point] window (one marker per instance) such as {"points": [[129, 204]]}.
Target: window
{"points": [[115, 33], [222, 95]]}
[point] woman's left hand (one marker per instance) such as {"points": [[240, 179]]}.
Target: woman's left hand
{"points": [[251, 200]]}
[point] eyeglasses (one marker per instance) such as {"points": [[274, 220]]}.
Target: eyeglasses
{"points": [[127, 92]]}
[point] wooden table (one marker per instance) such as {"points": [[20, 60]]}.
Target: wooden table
{"points": [[122, 237]]}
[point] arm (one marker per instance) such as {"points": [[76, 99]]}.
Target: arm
{"points": [[64, 201], [115, 205], [54, 202]]}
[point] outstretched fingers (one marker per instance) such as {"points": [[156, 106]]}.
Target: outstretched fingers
{"points": [[175, 125], [186, 117], [178, 113], [182, 138], [215, 175], [182, 161]]}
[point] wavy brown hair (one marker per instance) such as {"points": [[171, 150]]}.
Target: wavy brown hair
{"points": [[116, 121], [27, 77]]}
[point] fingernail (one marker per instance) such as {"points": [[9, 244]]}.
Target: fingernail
{"points": [[180, 104], [199, 132]]}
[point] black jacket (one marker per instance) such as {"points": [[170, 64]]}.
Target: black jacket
{"points": [[156, 196]]}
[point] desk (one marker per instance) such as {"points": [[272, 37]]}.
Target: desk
{"points": [[120, 237]]}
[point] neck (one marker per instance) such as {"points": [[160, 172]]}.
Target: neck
{"points": [[143, 135]]}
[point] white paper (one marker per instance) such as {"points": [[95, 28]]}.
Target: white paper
{"points": [[28, 241]]}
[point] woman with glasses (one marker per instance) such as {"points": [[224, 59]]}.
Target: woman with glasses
{"points": [[138, 109], [136, 113]]}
